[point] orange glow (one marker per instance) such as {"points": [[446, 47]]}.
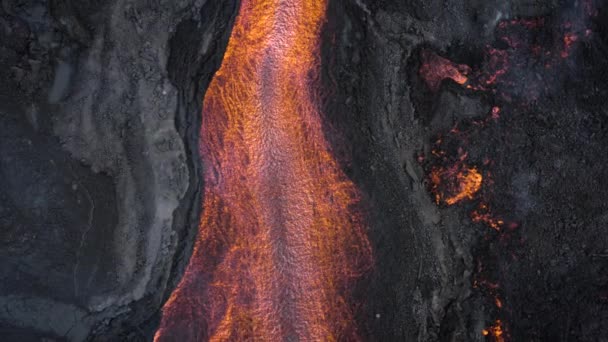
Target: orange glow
{"points": [[280, 239], [495, 113], [569, 40], [482, 214], [455, 184], [435, 69], [503, 74], [496, 331], [498, 302], [497, 65]]}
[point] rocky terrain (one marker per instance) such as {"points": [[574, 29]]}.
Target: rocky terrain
{"points": [[101, 178], [100, 188]]}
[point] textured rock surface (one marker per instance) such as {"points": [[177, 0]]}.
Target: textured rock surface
{"points": [[100, 175], [100, 188], [546, 177]]}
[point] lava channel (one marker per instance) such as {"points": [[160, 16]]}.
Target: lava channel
{"points": [[280, 239]]}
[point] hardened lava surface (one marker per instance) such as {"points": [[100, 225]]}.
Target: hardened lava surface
{"points": [[463, 142], [281, 239], [479, 135], [98, 192]]}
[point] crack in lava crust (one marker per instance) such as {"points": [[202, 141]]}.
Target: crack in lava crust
{"points": [[280, 238]]}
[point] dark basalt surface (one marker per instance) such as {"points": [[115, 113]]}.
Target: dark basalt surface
{"points": [[548, 170], [100, 177], [99, 199]]}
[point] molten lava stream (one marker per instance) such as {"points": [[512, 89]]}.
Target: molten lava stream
{"points": [[280, 240]]}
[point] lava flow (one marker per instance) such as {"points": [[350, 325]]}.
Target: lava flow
{"points": [[280, 238]]}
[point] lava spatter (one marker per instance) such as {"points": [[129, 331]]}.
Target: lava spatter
{"points": [[280, 238], [483, 214], [455, 184], [521, 65], [495, 331], [435, 69], [517, 70]]}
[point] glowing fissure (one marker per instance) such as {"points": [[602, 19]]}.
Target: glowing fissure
{"points": [[280, 239], [505, 74]]}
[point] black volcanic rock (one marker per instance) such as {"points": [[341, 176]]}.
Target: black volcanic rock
{"points": [[100, 186], [100, 174], [546, 165]]}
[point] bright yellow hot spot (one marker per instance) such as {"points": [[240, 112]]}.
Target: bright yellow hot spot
{"points": [[496, 331]]}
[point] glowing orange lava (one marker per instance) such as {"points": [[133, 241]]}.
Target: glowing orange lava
{"points": [[496, 331], [280, 239], [483, 215], [455, 184], [502, 74], [435, 69]]}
